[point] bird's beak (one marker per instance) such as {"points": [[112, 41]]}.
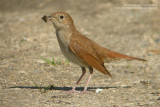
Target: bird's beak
{"points": [[50, 18]]}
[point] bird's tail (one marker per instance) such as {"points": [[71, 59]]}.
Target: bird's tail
{"points": [[115, 55]]}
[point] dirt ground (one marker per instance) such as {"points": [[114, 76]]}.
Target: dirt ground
{"points": [[28, 81]]}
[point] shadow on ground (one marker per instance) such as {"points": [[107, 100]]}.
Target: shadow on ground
{"points": [[65, 88]]}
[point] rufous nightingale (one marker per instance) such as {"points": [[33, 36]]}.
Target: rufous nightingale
{"points": [[79, 49]]}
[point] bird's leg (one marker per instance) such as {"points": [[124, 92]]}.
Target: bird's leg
{"points": [[90, 75], [83, 73], [74, 87]]}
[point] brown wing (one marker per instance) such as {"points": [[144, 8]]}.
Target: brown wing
{"points": [[82, 47]]}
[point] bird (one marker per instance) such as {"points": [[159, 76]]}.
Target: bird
{"points": [[81, 50]]}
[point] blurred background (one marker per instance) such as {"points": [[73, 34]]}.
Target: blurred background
{"points": [[131, 27], [117, 21]]}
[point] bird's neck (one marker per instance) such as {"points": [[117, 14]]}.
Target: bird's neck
{"points": [[63, 37], [69, 28], [66, 31]]}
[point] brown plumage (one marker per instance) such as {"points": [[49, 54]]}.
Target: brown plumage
{"points": [[93, 54], [87, 52], [81, 50]]}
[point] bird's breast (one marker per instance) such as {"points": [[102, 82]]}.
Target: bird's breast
{"points": [[64, 41]]}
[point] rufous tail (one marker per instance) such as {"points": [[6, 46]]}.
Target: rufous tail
{"points": [[115, 55]]}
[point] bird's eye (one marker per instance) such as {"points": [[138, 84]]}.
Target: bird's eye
{"points": [[61, 17]]}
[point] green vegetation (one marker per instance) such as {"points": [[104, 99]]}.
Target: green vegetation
{"points": [[55, 62], [42, 89]]}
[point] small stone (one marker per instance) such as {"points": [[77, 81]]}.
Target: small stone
{"points": [[98, 90]]}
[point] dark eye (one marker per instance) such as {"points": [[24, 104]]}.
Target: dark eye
{"points": [[61, 17]]}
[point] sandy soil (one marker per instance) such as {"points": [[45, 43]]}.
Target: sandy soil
{"points": [[28, 81]]}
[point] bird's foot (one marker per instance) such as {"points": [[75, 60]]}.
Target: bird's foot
{"points": [[83, 92], [77, 92], [70, 91]]}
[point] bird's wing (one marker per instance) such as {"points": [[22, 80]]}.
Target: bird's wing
{"points": [[82, 47]]}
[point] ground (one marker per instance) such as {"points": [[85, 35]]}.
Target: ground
{"points": [[27, 80]]}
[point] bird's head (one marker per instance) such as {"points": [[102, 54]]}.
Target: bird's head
{"points": [[60, 20]]}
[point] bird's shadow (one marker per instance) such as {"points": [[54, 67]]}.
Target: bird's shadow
{"points": [[51, 87]]}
